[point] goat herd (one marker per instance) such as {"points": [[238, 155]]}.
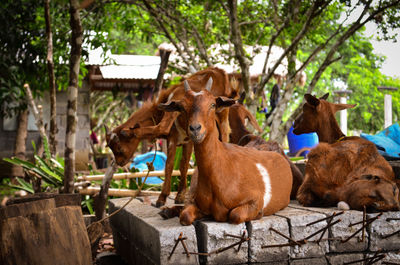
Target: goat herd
{"points": [[249, 177]]}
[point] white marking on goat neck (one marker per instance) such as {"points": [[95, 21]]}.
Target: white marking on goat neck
{"points": [[267, 183]]}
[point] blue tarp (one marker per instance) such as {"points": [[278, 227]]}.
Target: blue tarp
{"points": [[139, 162], [387, 141]]}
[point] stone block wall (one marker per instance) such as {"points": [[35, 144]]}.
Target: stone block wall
{"points": [[7, 137], [291, 236]]}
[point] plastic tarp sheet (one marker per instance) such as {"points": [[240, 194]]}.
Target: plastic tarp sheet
{"points": [[139, 162], [387, 141]]}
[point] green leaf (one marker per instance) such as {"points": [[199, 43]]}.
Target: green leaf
{"points": [[46, 168], [19, 162], [24, 185]]}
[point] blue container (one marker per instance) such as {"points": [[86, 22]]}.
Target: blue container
{"points": [[296, 142], [159, 164]]}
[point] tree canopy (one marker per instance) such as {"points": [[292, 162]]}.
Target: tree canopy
{"points": [[323, 39]]}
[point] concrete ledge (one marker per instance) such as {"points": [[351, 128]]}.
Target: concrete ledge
{"points": [[262, 235], [342, 230], [153, 237], [215, 236], [299, 229], [141, 236], [383, 227]]}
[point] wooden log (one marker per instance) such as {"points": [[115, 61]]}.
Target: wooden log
{"points": [[60, 199], [27, 208], [38, 232], [120, 176]]}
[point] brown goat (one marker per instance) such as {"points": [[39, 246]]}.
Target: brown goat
{"points": [[149, 123], [341, 168], [241, 136], [235, 183]]}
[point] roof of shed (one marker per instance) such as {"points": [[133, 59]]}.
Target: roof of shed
{"points": [[125, 66]]}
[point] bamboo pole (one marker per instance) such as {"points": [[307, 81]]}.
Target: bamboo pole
{"points": [[120, 176], [118, 192]]}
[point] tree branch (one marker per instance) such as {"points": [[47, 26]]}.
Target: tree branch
{"points": [[238, 45]]}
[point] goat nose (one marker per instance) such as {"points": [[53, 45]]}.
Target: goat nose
{"points": [[194, 127]]}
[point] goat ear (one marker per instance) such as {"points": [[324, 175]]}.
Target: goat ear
{"points": [[223, 102], [311, 100], [324, 97], [171, 106], [209, 84], [344, 106], [253, 121], [242, 97]]}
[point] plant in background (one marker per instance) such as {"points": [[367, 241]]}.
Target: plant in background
{"points": [[48, 169]]}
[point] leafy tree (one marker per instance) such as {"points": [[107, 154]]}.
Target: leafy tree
{"points": [[317, 37]]}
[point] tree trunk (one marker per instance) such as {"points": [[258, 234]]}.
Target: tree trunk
{"points": [[238, 44], [52, 83], [37, 182], [36, 113], [164, 56], [76, 49], [20, 148]]}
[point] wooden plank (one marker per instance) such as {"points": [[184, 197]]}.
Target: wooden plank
{"points": [[120, 176], [119, 192]]}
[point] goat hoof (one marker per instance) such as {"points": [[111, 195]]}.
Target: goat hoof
{"points": [[160, 203], [166, 213], [180, 198]]}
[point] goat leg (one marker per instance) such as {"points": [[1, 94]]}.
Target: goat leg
{"points": [[243, 213], [169, 166], [190, 214], [160, 130], [183, 168]]}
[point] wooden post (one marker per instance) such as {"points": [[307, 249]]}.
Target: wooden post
{"points": [[343, 113], [100, 201], [388, 105], [164, 56]]}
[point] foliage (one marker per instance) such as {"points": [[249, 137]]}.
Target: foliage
{"points": [[19, 52], [323, 37], [138, 27], [49, 170]]}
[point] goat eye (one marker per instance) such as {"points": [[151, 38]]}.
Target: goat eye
{"points": [[213, 105]]}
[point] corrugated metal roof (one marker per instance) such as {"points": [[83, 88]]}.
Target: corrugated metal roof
{"points": [[125, 66], [129, 71]]}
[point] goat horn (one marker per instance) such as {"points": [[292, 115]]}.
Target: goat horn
{"points": [[209, 84], [186, 85], [114, 137], [107, 130]]}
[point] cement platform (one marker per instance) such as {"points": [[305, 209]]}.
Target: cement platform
{"points": [[141, 236]]}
